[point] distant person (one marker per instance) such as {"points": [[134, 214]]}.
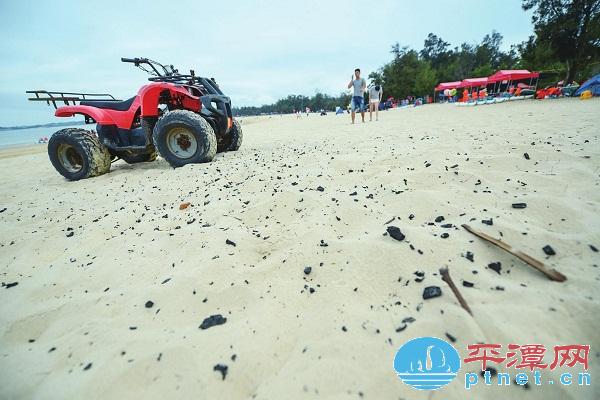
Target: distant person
{"points": [[359, 86], [465, 96], [375, 96]]}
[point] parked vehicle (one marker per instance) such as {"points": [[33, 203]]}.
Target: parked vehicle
{"points": [[183, 117]]}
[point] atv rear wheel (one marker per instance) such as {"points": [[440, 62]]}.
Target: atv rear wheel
{"points": [[183, 137], [233, 140], [78, 154]]}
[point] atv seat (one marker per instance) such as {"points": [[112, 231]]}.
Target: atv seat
{"points": [[110, 104]]}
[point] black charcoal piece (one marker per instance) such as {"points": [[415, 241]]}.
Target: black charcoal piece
{"points": [[470, 256], [548, 250], [213, 320], [395, 233], [431, 291], [496, 266], [222, 368]]}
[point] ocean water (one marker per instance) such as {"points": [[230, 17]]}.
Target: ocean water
{"points": [[19, 137]]}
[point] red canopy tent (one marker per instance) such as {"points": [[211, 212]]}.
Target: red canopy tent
{"points": [[447, 85], [509, 75], [512, 75], [474, 82]]}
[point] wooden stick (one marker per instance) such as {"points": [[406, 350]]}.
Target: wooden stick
{"points": [[390, 221], [549, 272], [446, 278]]}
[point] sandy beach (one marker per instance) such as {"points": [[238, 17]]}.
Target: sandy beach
{"points": [[106, 281]]}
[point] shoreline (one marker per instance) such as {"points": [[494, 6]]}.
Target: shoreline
{"points": [[18, 150]]}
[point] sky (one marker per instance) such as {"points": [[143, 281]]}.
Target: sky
{"points": [[258, 51]]}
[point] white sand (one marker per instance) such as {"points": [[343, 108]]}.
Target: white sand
{"points": [[81, 295]]}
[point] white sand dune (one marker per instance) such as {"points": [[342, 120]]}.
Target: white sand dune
{"points": [[76, 325]]}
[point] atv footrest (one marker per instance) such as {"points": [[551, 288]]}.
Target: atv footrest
{"points": [[131, 148]]}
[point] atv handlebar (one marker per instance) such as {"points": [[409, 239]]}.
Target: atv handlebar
{"points": [[130, 60], [157, 68], [168, 73]]}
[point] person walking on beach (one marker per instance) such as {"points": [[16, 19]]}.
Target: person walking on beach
{"points": [[359, 86], [375, 95]]}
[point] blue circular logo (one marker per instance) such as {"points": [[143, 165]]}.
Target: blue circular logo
{"points": [[427, 363]]}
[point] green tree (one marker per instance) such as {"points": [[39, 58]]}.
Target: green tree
{"points": [[435, 51], [425, 80], [488, 52], [399, 75], [483, 70], [536, 56], [462, 63], [570, 27], [376, 77]]}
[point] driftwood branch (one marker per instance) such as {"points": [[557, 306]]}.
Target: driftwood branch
{"points": [[446, 278], [549, 272]]}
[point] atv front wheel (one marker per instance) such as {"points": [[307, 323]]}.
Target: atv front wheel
{"points": [[233, 140], [183, 137], [78, 154]]}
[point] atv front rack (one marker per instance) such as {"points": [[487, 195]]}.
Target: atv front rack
{"points": [[68, 98]]}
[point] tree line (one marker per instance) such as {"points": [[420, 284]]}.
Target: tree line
{"points": [[565, 46], [297, 102]]}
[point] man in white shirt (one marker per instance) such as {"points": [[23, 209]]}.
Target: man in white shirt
{"points": [[375, 95], [359, 86]]}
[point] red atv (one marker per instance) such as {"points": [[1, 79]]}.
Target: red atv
{"points": [[186, 118]]}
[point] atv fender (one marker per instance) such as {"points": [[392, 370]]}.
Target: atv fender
{"points": [[150, 97], [122, 119], [98, 115]]}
